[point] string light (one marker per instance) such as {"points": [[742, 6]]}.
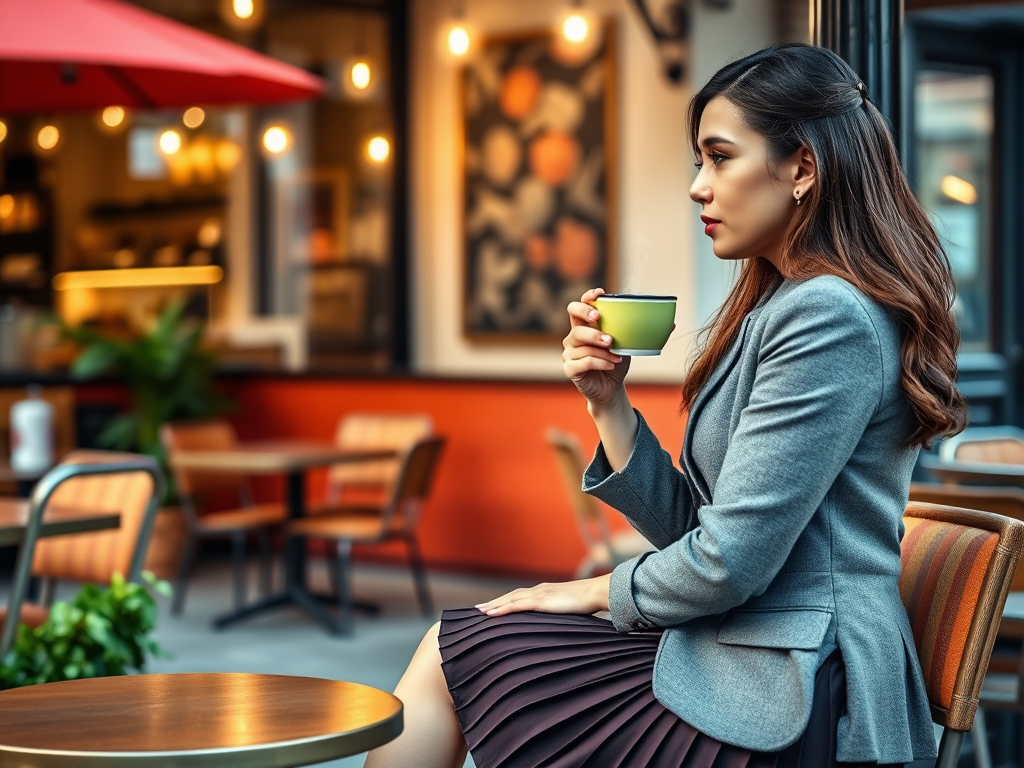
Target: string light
{"points": [[48, 137], [193, 117], [169, 142], [276, 139], [360, 75], [379, 148], [112, 117]]}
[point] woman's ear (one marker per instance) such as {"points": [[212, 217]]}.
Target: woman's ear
{"points": [[804, 168]]}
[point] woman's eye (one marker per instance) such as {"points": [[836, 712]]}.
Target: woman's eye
{"points": [[717, 158]]}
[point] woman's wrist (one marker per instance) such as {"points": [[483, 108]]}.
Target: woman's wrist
{"points": [[617, 425]]}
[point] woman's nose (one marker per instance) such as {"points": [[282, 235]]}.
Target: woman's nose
{"points": [[700, 192]]}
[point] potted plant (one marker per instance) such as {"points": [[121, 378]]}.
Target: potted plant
{"points": [[104, 631], [170, 377]]}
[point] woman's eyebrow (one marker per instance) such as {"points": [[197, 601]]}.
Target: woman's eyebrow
{"points": [[710, 140]]}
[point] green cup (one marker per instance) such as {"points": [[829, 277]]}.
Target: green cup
{"points": [[638, 324]]}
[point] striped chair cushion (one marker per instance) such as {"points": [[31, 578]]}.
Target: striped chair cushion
{"points": [[95, 557], [943, 568]]}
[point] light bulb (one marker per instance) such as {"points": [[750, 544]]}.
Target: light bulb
{"points": [[113, 116], [169, 142], [243, 9], [458, 40], [360, 75], [3, 130], [575, 28], [276, 139], [193, 117], [379, 148], [48, 137]]}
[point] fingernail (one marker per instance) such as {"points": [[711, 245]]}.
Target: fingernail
{"points": [[606, 339], [618, 358], [593, 315]]}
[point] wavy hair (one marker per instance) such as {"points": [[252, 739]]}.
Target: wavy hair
{"points": [[860, 221]]}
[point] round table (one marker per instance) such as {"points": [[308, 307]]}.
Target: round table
{"points": [[255, 721]]}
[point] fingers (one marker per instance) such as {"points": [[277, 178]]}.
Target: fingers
{"points": [[580, 312]]}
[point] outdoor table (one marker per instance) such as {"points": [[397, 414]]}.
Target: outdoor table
{"points": [[56, 521], [194, 720], [292, 459], [975, 472]]}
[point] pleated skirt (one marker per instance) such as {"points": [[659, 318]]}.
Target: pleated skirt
{"points": [[569, 691]]}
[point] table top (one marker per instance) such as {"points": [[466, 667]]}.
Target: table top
{"points": [[56, 521], [975, 472], [213, 719], [274, 457]]}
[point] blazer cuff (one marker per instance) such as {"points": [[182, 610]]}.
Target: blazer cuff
{"points": [[611, 487], [626, 615]]}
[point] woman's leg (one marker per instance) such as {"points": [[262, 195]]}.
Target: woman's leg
{"points": [[432, 737]]}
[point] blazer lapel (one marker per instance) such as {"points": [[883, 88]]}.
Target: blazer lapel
{"points": [[697, 480]]}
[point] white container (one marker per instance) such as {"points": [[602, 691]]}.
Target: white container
{"points": [[32, 433]]}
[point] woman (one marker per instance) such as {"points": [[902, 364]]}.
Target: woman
{"points": [[767, 628]]}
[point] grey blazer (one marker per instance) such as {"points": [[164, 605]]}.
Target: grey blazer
{"points": [[780, 540]]}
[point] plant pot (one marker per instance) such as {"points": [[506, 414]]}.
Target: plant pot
{"points": [[166, 543]]}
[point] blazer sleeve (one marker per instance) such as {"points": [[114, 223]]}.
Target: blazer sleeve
{"points": [[818, 382], [650, 491]]}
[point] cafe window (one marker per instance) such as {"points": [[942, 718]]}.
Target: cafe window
{"points": [[279, 219]]}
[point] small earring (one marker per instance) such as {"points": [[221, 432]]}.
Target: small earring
{"points": [[797, 196]]}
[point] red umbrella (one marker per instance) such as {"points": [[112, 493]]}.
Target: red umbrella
{"points": [[83, 54]]}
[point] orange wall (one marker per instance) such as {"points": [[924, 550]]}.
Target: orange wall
{"points": [[498, 504]]}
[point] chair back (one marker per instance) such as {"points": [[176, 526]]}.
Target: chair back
{"points": [[958, 565], [412, 486], [1008, 502], [592, 525], [72, 484], [213, 435], [375, 431], [94, 557], [985, 445]]}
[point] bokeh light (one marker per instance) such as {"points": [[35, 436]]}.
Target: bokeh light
{"points": [[169, 142], [360, 75], [276, 139], [458, 40], [379, 148], [112, 117], [48, 137], [575, 28], [193, 117]]}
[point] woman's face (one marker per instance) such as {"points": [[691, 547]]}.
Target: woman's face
{"points": [[747, 200]]}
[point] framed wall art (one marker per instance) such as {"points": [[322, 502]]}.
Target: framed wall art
{"points": [[539, 182]]}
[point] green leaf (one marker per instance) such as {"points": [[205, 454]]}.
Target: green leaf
{"points": [[95, 359]]}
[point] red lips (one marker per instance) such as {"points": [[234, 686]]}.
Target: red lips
{"points": [[709, 224]]}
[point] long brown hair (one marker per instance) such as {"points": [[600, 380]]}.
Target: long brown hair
{"points": [[860, 222]]}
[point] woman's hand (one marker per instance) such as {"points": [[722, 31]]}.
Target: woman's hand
{"points": [[582, 596], [597, 372]]}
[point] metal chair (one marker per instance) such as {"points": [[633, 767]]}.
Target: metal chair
{"points": [[194, 486], [76, 478], [395, 520], [605, 550], [962, 558]]}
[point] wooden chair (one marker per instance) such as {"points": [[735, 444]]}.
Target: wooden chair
{"points": [[966, 559], [129, 484], [605, 550], [373, 480], [1003, 688], [985, 445], [195, 486], [396, 520]]}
